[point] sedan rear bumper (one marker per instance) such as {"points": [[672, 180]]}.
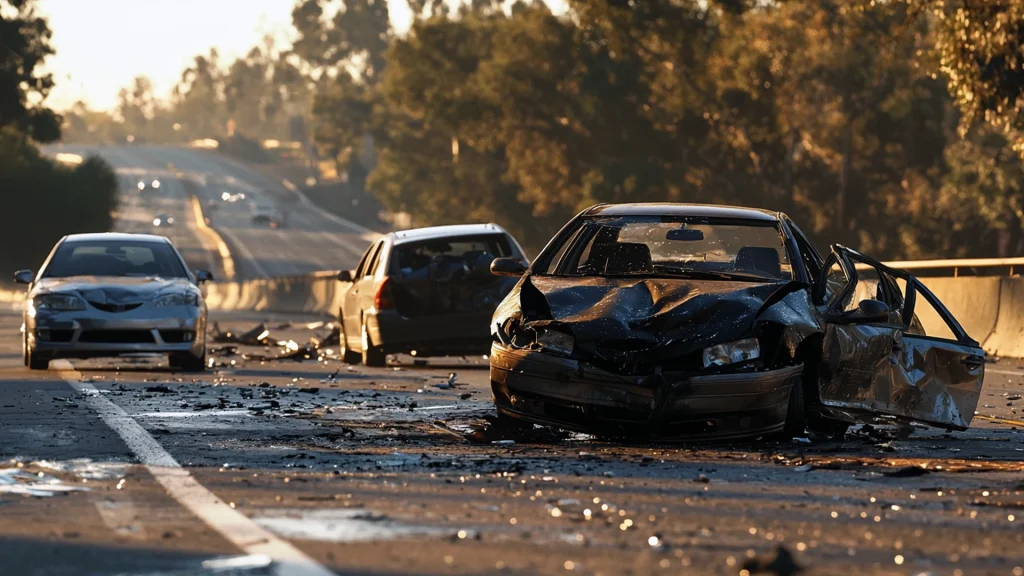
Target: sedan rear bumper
{"points": [[552, 390]]}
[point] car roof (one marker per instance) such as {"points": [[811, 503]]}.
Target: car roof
{"points": [[679, 209], [434, 232], [114, 237]]}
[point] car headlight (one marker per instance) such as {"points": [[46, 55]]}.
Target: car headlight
{"points": [[555, 341], [732, 352], [189, 299], [58, 302]]}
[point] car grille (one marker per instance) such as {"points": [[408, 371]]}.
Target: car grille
{"points": [[116, 337], [115, 307]]}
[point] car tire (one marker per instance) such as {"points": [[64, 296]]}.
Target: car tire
{"points": [[372, 355], [187, 362], [796, 412], [33, 361], [348, 355]]}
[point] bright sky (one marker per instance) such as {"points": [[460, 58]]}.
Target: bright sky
{"points": [[103, 44]]}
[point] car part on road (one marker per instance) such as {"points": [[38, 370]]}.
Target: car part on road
{"points": [[255, 336]]}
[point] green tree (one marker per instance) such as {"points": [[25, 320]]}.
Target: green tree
{"points": [[980, 45], [24, 46]]}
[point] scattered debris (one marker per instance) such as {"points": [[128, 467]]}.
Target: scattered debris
{"points": [[907, 472], [256, 336], [40, 485], [783, 564], [336, 525]]}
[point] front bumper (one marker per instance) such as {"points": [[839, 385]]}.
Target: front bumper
{"points": [[556, 391], [95, 333]]}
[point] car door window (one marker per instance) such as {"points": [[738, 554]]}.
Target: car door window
{"points": [[835, 281], [372, 263], [375, 261], [929, 320], [364, 260]]}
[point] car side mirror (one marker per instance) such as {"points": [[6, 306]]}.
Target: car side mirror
{"points": [[507, 267], [345, 276], [868, 311], [24, 276], [203, 276]]}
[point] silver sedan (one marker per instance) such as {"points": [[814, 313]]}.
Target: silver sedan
{"points": [[100, 295]]}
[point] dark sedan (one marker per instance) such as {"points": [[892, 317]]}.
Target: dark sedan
{"points": [[102, 295], [674, 320], [427, 292]]}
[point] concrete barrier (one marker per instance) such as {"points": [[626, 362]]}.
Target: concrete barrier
{"points": [[990, 309]]}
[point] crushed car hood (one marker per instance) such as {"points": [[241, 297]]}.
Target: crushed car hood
{"points": [[113, 289], [658, 319]]}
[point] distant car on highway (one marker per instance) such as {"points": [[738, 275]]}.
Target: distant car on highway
{"points": [[427, 291], [103, 295], [163, 220], [266, 215], [151, 186], [689, 321]]}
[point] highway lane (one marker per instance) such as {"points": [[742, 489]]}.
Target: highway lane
{"points": [[347, 466], [309, 241]]}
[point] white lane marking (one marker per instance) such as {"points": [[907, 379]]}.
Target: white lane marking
{"points": [[236, 527]]}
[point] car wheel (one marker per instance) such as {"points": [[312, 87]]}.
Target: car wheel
{"points": [[24, 349], [796, 413], [372, 355], [34, 362], [187, 362], [348, 355]]}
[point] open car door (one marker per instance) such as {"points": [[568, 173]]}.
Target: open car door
{"points": [[878, 356]]}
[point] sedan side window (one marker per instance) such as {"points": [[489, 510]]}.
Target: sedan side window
{"points": [[372, 266], [836, 280], [364, 261]]}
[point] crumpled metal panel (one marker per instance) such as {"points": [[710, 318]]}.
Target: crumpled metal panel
{"points": [[121, 290], [879, 369], [656, 318]]}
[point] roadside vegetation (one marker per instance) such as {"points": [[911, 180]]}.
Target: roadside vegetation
{"points": [[42, 199], [895, 127]]}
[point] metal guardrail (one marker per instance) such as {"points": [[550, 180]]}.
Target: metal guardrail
{"points": [[957, 264]]}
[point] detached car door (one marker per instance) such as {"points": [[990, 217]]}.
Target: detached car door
{"points": [[929, 372]]}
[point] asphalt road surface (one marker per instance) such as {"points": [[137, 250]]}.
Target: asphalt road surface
{"points": [[310, 467], [322, 467], [308, 241]]}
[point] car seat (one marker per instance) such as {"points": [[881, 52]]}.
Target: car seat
{"points": [[760, 260]]}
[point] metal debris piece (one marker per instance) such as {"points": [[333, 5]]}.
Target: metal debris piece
{"points": [[256, 336], [783, 564]]}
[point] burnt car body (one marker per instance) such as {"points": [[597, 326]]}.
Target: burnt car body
{"points": [[103, 295], [426, 291], [695, 321]]}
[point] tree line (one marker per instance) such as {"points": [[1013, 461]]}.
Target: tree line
{"points": [[892, 126], [43, 199]]}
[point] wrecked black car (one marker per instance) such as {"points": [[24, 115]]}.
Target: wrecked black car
{"points": [[695, 321]]}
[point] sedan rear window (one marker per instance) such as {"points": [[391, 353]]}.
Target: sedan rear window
{"points": [[472, 252], [115, 258]]}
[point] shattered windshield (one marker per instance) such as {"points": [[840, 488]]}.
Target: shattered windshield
{"points": [[674, 246], [115, 258]]}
